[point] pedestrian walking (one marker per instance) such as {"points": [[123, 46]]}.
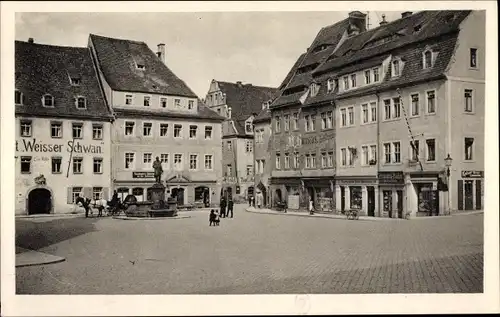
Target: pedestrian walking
{"points": [[223, 208], [311, 206], [230, 205]]}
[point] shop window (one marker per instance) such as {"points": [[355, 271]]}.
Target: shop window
{"points": [[387, 200], [356, 197]]}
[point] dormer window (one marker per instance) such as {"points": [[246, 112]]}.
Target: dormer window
{"points": [[428, 59], [353, 80], [191, 104], [81, 102], [18, 97], [330, 85], [396, 68], [314, 89], [248, 127], [48, 101], [75, 81], [141, 66], [417, 28], [346, 82]]}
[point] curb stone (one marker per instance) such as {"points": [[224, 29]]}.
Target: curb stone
{"points": [[149, 218], [28, 257]]}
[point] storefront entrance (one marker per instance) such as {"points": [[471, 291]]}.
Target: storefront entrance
{"points": [[399, 196], [468, 195], [178, 193], [202, 195], [428, 199], [371, 201], [39, 201]]}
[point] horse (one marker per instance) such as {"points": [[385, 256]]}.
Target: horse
{"points": [[100, 204], [85, 202]]}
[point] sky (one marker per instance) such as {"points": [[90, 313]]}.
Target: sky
{"points": [[251, 47]]}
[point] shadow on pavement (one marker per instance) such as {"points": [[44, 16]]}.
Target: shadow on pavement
{"points": [[36, 235]]}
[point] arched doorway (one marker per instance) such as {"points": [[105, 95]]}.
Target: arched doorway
{"points": [[263, 190], [178, 194], [202, 195], [39, 201], [279, 196]]}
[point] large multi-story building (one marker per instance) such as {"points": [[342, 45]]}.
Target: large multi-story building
{"points": [[62, 129], [407, 95], [239, 103], [157, 115]]}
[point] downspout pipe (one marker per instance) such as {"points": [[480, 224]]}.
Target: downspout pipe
{"points": [[377, 93]]}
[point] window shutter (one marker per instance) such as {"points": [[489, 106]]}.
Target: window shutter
{"points": [[105, 193], [87, 192], [460, 190], [69, 192], [478, 194]]}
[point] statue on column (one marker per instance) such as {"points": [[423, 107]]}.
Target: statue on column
{"points": [[158, 170]]}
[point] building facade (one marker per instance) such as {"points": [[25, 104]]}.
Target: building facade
{"points": [[62, 129], [239, 104], [407, 95], [157, 116], [262, 162]]}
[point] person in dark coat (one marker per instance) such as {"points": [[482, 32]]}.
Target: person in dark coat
{"points": [[223, 208], [230, 207]]}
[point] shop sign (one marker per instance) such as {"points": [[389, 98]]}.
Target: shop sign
{"points": [[143, 175], [472, 174], [391, 178], [355, 181]]}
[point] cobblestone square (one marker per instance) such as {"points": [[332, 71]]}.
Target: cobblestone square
{"points": [[253, 254]]}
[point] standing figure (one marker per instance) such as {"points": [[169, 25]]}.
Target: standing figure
{"points": [[230, 207], [223, 207], [311, 206], [158, 170]]}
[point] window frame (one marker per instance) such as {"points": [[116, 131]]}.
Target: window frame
{"points": [[363, 105], [209, 128], [73, 164], [29, 123], [211, 162], [191, 126], [353, 78], [427, 102], [52, 161], [475, 49], [473, 150], [177, 125], [471, 101], [133, 164], [29, 160], [125, 128], [163, 127], [427, 150], [148, 98], [44, 99], [147, 165], [190, 104], [150, 124], [76, 124], [376, 74], [178, 166], [131, 99], [21, 97], [196, 161], [163, 99], [387, 106], [393, 99], [77, 102], [52, 125], [410, 97], [278, 161], [368, 76], [97, 126], [98, 159], [424, 59]]}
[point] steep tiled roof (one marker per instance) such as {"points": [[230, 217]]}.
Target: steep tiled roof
{"points": [[264, 115], [245, 99], [46, 69], [291, 72], [204, 113], [117, 59], [329, 37]]}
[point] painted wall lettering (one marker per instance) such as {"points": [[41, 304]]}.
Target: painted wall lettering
{"points": [[33, 145]]}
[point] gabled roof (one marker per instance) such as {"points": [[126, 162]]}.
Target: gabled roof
{"points": [[245, 99], [118, 61], [291, 72], [263, 116], [46, 69]]}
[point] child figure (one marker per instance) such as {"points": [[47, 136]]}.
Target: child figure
{"points": [[214, 218]]}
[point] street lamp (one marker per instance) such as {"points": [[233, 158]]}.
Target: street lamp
{"points": [[447, 162]]}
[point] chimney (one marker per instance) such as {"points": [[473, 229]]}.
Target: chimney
{"points": [[30, 40], [406, 14], [383, 22], [357, 23], [161, 53], [239, 83]]}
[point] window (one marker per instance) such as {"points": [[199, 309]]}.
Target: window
{"points": [[330, 159], [313, 123], [278, 161], [248, 127], [414, 150], [129, 160], [469, 142], [468, 100], [147, 159], [193, 161], [77, 130], [177, 131], [178, 161], [295, 121], [351, 115], [368, 77], [313, 160], [287, 122], [97, 193], [431, 102], [48, 101], [323, 120], [25, 164], [395, 68], [346, 83], [373, 153], [147, 101], [18, 97], [352, 156], [249, 146], [343, 157], [77, 165], [208, 133], [163, 129], [431, 150], [314, 89], [473, 57], [287, 160], [75, 193], [329, 85], [81, 103], [364, 109], [343, 117], [229, 170], [163, 102], [296, 160], [364, 155], [387, 152], [387, 109], [323, 160], [414, 104], [208, 161], [307, 123], [427, 59], [373, 108], [146, 128], [191, 104], [97, 165], [308, 160], [128, 99], [129, 128], [229, 145], [140, 66], [164, 159], [353, 80], [97, 131], [376, 76], [397, 107], [249, 170], [56, 165], [193, 129], [277, 123], [397, 152], [56, 130], [329, 119], [25, 128], [177, 103]]}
